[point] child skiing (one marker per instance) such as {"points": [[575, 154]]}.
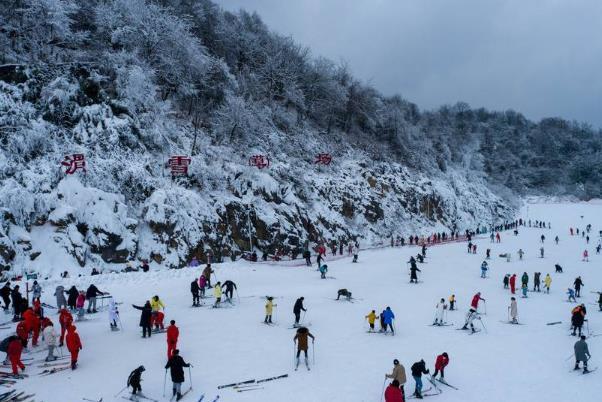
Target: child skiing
{"points": [[440, 311], [452, 302], [157, 315], [547, 282], [571, 293], [301, 340], [74, 345], [195, 290], [134, 380], [50, 338], [269, 307], [323, 271], [113, 315], [371, 317], [228, 288], [470, 317], [217, 293]]}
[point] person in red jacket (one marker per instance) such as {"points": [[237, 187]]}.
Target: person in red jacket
{"points": [[513, 283], [172, 338], [74, 345], [65, 319], [15, 347], [440, 364], [393, 393], [33, 325], [475, 301], [23, 332]]}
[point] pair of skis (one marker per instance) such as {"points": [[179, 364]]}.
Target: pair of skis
{"points": [[253, 381], [203, 397]]}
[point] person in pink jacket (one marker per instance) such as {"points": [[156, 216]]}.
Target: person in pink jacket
{"points": [[202, 285], [79, 304]]}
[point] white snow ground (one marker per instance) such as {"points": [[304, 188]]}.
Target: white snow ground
{"points": [[518, 363]]}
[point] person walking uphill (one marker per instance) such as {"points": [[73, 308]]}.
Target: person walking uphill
{"points": [[398, 374], [176, 366], [297, 308], [172, 338], [581, 354], [302, 340], [418, 369], [145, 318], [74, 345]]}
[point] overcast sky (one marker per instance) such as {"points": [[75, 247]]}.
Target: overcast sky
{"points": [[539, 57]]}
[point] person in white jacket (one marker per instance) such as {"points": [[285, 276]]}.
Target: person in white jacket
{"points": [[113, 315], [50, 340], [440, 310], [513, 311]]}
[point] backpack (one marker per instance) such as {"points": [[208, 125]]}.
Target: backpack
{"points": [[5, 342]]}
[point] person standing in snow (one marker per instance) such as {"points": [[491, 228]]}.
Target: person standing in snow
{"points": [[14, 350], [17, 300], [578, 318], [65, 319], [536, 281], [176, 366], [217, 293], [506, 281], [145, 318], [207, 274], [195, 289], [113, 315], [202, 285], [297, 308], [157, 307], [581, 354], [440, 311], [388, 318], [59, 293], [50, 339], [452, 302], [418, 369], [541, 252], [525, 279], [393, 393], [74, 345], [135, 378], [228, 288], [513, 309], [269, 307], [80, 302], [319, 259], [543, 238], [488, 253], [484, 268], [440, 363], [301, 339], [5, 293], [578, 283], [307, 256], [413, 271], [173, 334], [371, 317], [398, 374], [547, 282], [356, 252], [72, 295], [520, 254], [36, 290], [91, 295], [524, 290]]}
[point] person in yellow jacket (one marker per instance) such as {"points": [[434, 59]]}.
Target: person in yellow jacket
{"points": [[452, 302], [269, 306], [217, 293], [547, 282], [371, 317], [157, 315]]}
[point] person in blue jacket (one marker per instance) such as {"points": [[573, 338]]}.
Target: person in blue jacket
{"points": [[484, 269], [388, 318]]}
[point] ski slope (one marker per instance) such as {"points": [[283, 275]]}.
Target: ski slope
{"points": [[518, 363]]}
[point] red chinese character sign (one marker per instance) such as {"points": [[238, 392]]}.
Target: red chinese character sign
{"points": [[259, 161], [74, 163], [178, 165], [323, 159]]}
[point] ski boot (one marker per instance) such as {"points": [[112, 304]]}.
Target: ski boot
{"points": [[577, 367], [297, 364], [307, 364]]}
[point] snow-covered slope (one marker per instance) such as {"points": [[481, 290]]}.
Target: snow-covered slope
{"points": [[528, 362]]}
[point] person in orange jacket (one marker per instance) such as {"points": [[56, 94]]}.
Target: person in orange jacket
{"points": [[15, 347], [65, 319], [172, 338], [74, 345], [23, 332]]}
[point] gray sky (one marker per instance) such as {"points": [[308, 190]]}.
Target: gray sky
{"points": [[539, 57]]}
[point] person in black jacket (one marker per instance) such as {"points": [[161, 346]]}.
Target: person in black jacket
{"points": [[5, 293], [134, 380], [145, 318], [297, 309], [176, 365], [578, 283], [17, 302], [72, 294], [91, 294], [228, 287], [195, 289], [418, 369]]}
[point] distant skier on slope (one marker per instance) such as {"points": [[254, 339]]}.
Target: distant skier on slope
{"points": [[439, 312], [158, 315], [371, 317], [301, 340], [113, 315], [217, 293], [474, 304], [195, 290], [344, 292], [297, 308], [547, 282], [536, 281], [484, 268], [413, 272], [452, 302], [578, 284], [513, 310], [74, 345], [506, 281], [578, 318], [173, 333]]}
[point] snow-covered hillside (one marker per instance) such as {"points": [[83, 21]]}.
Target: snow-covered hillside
{"points": [[226, 345]]}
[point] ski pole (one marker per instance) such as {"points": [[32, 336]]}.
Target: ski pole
{"points": [[382, 392], [190, 376], [122, 389], [237, 296], [313, 352], [303, 318], [164, 381], [483, 326]]}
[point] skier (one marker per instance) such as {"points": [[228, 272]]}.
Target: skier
{"points": [[344, 292], [297, 308], [17, 300], [513, 284], [398, 374], [356, 252], [50, 338], [585, 256], [269, 307], [32, 322], [176, 366], [524, 290], [65, 319], [72, 295], [172, 338], [207, 274], [440, 363], [413, 270], [307, 256], [393, 393], [484, 268], [74, 345], [558, 268], [543, 238], [217, 293], [498, 238], [388, 318], [556, 239], [578, 283], [5, 294], [80, 302], [36, 290], [474, 248], [488, 253], [536, 281], [440, 311], [145, 318], [301, 339], [157, 314], [228, 288], [520, 253], [202, 285], [474, 304], [418, 369], [91, 295], [578, 318], [513, 308], [547, 282], [59, 293], [14, 350], [323, 271], [319, 260], [195, 289], [135, 378], [524, 279], [581, 354], [371, 317], [491, 237], [506, 281], [113, 315], [541, 252], [571, 294], [452, 302], [469, 247], [470, 317]]}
